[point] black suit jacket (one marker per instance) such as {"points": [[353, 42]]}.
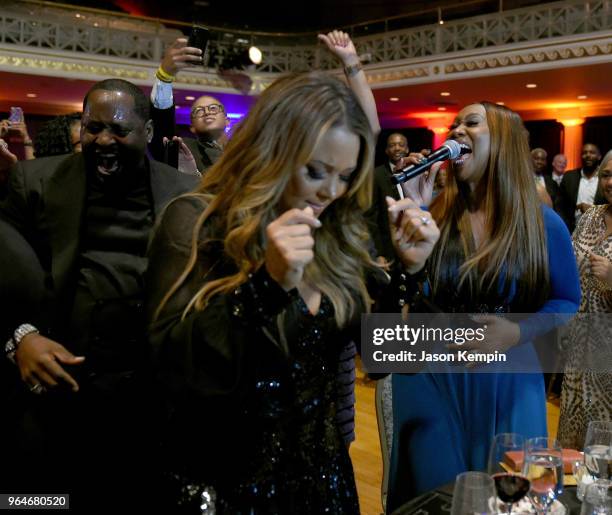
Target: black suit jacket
{"points": [[552, 188], [42, 216], [377, 217], [568, 195]]}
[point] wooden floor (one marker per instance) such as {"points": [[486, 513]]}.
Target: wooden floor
{"points": [[365, 451]]}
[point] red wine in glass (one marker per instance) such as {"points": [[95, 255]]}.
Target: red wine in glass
{"points": [[510, 488]]}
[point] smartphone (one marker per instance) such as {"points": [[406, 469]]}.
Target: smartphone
{"points": [[171, 152], [199, 38], [16, 114]]}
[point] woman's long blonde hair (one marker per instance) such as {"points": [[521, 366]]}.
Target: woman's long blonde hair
{"points": [[245, 186], [516, 247]]}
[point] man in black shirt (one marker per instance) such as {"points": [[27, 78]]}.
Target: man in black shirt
{"points": [[78, 342]]}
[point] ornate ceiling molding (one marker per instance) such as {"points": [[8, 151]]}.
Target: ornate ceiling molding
{"points": [[530, 57], [84, 69], [561, 53], [73, 69]]}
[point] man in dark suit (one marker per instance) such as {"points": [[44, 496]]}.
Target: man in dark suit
{"points": [[539, 156], [208, 117], [579, 188], [378, 218], [83, 222]]}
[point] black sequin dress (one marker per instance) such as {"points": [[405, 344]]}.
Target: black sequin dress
{"points": [[249, 386]]}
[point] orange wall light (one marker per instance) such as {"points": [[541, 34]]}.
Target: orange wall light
{"points": [[572, 141]]}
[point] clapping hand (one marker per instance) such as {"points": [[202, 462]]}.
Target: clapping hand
{"points": [[413, 233], [186, 161]]}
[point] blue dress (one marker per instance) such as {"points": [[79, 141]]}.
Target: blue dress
{"points": [[443, 423]]}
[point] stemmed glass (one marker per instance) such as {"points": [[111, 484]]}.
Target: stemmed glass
{"points": [[474, 493], [598, 449], [511, 486], [544, 468], [598, 498]]}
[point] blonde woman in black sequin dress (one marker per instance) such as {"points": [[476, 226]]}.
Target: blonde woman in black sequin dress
{"points": [[257, 281]]}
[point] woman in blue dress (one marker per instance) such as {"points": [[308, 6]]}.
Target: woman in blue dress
{"points": [[499, 251]]}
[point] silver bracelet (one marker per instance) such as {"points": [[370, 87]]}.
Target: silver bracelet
{"points": [[22, 331], [10, 348]]}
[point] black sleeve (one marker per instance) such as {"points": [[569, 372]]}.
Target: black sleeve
{"points": [[21, 274], [377, 218], [205, 352], [566, 205], [164, 125]]}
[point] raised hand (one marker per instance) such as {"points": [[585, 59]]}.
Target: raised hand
{"points": [[40, 362], [413, 233], [186, 161], [339, 43], [179, 56], [7, 158], [290, 246], [21, 129], [5, 125]]}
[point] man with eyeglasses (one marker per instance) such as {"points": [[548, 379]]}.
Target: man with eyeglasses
{"points": [[208, 116]]}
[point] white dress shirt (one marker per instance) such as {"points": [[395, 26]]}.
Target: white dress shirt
{"points": [[586, 191]]}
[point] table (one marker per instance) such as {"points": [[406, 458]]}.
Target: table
{"points": [[439, 501]]}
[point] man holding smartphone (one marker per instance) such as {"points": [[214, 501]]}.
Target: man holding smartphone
{"points": [[208, 116]]}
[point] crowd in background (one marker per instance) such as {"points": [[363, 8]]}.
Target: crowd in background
{"points": [[204, 311]]}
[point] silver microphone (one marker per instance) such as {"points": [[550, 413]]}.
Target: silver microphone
{"points": [[450, 149]]}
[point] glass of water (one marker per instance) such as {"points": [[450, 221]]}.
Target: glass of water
{"points": [[598, 449], [543, 467]]}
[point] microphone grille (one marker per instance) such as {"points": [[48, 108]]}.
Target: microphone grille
{"points": [[454, 147]]}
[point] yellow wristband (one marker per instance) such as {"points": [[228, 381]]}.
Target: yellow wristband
{"points": [[164, 76]]}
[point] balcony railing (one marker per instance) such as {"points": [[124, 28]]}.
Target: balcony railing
{"points": [[105, 34]]}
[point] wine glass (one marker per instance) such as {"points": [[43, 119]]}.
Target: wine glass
{"points": [[474, 493], [544, 468], [598, 449], [598, 498], [511, 486]]}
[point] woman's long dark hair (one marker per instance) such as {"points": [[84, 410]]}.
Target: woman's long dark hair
{"points": [[514, 249]]}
